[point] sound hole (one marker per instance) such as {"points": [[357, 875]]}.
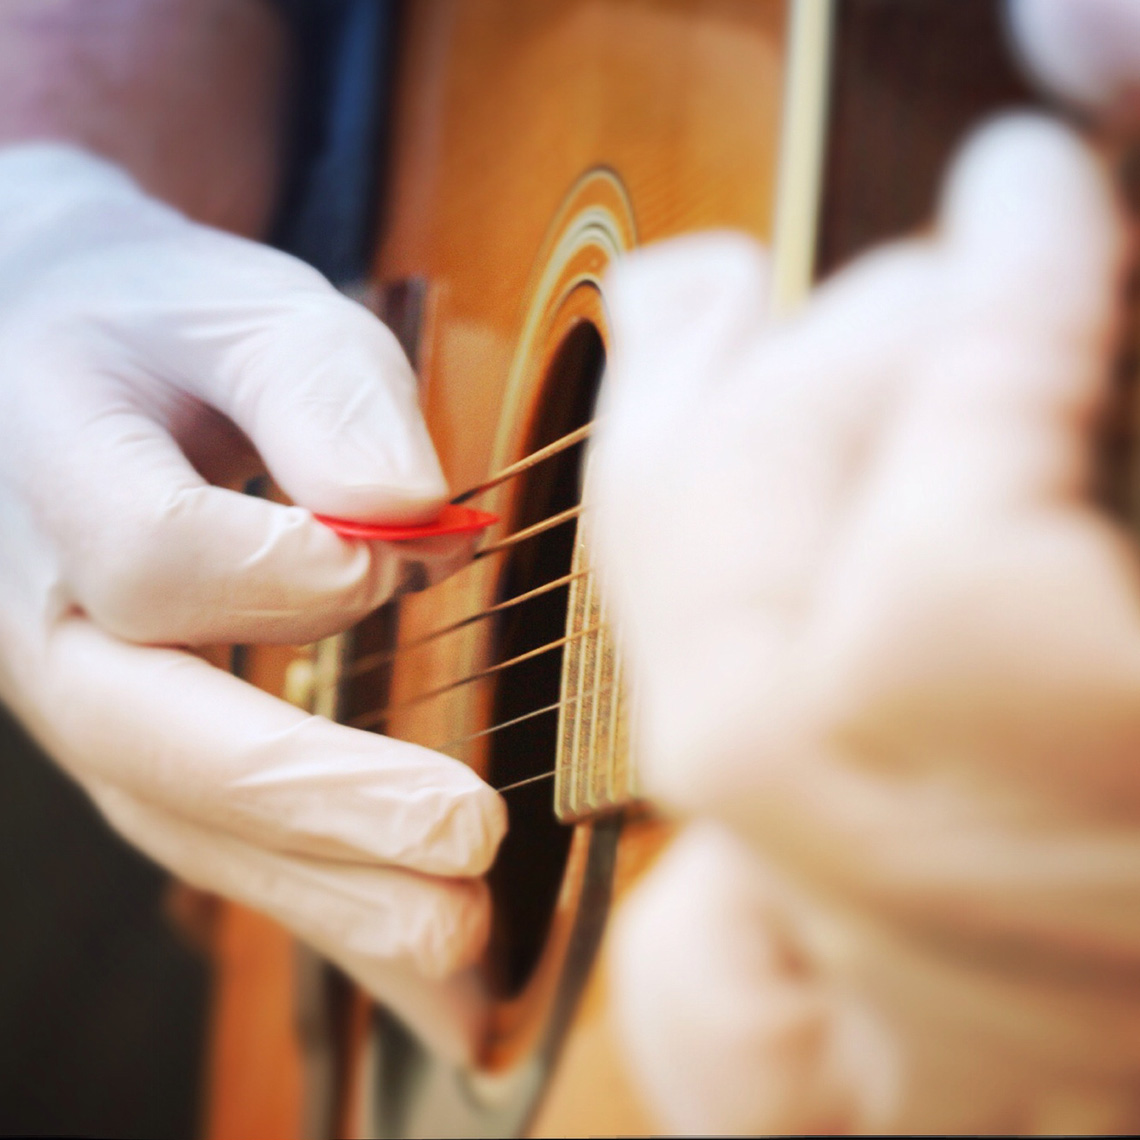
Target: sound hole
{"points": [[526, 877]]}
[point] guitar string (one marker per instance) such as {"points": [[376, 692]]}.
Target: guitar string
{"points": [[527, 462], [528, 532], [372, 661], [556, 705], [528, 780], [376, 716], [385, 656], [460, 741]]}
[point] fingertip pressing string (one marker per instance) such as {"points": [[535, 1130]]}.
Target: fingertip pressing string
{"points": [[455, 518]]}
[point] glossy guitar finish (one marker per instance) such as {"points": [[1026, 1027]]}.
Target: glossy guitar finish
{"points": [[531, 146]]}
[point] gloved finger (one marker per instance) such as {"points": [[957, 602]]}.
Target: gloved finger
{"points": [[154, 554], [382, 914], [994, 228], [188, 738], [1036, 246], [976, 533], [1000, 415], [680, 313], [450, 1016], [728, 1023], [1084, 50], [714, 286], [408, 939], [722, 520], [320, 386]]}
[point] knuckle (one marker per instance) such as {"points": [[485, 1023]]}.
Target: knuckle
{"points": [[454, 932]]}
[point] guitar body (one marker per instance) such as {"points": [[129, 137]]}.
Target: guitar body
{"points": [[530, 146]]}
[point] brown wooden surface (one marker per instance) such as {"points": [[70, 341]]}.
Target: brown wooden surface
{"points": [[255, 1070], [255, 1061], [592, 1091], [502, 106]]}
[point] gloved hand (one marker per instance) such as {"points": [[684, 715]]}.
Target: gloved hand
{"points": [[879, 631], [146, 363]]}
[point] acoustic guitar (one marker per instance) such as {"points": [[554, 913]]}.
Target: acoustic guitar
{"points": [[531, 146]]}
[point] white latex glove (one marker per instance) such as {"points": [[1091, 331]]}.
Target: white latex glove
{"points": [[131, 343], [1087, 51], [878, 629]]}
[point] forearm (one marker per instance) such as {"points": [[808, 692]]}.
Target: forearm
{"points": [[188, 95]]}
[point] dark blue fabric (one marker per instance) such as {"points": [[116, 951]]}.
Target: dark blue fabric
{"points": [[327, 206]]}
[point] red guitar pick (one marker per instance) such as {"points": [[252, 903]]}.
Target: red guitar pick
{"points": [[451, 520]]}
